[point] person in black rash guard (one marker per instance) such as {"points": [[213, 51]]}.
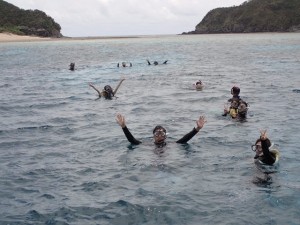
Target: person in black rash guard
{"points": [[261, 148], [159, 132]]}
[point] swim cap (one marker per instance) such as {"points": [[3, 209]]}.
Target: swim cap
{"points": [[158, 127]]}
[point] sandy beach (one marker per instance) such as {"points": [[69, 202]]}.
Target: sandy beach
{"points": [[8, 37]]}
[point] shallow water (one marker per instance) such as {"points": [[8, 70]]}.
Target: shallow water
{"points": [[65, 160]]}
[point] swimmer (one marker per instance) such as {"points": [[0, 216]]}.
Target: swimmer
{"points": [[159, 132], [156, 63], [198, 85], [232, 110], [124, 64], [261, 148], [242, 110], [237, 110], [107, 92], [72, 66]]}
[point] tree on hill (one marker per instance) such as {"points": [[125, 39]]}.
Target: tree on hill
{"points": [[27, 22], [253, 16]]}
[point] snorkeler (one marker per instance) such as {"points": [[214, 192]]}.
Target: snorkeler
{"points": [[261, 149], [232, 110], [198, 85], [72, 66], [124, 64], [156, 63], [107, 92], [237, 110], [159, 132]]}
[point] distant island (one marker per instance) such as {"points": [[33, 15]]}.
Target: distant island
{"points": [[252, 16], [27, 22]]}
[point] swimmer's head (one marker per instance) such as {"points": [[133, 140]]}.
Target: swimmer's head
{"points": [[159, 134], [108, 91], [235, 91], [199, 82], [257, 146], [243, 107]]}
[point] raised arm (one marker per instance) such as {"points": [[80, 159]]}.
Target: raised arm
{"points": [[91, 85], [200, 123], [121, 121], [116, 89]]}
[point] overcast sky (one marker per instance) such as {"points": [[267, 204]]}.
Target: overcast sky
{"points": [[125, 17]]}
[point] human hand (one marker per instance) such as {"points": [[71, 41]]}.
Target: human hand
{"points": [[200, 122], [120, 120], [263, 134], [226, 110]]}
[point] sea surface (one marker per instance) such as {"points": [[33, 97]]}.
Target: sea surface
{"points": [[65, 160]]}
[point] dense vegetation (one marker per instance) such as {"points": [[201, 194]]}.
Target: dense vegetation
{"points": [[27, 22], [253, 16]]}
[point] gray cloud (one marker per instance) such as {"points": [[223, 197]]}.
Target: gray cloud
{"points": [[125, 17]]}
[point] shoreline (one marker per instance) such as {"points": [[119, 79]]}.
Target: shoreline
{"points": [[9, 37]]}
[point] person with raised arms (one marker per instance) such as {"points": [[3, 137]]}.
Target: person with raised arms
{"points": [[107, 92], [160, 133]]}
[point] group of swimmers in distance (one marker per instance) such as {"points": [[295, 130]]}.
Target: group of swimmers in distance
{"points": [[237, 110]]}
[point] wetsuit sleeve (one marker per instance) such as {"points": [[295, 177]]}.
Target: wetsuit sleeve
{"points": [[187, 137], [268, 158], [130, 137]]}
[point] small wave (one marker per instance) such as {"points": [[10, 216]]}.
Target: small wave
{"points": [[47, 196], [5, 86], [296, 90], [44, 127]]}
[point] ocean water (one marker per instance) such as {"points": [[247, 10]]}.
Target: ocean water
{"points": [[65, 160]]}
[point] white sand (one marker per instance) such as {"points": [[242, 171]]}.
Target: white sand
{"points": [[8, 37]]}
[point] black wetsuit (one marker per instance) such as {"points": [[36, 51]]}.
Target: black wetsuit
{"points": [[267, 157], [183, 140]]}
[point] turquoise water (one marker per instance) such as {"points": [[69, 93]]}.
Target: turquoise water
{"points": [[65, 160]]}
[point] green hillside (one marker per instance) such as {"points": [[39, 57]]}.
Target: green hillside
{"points": [[252, 16], [27, 22]]}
